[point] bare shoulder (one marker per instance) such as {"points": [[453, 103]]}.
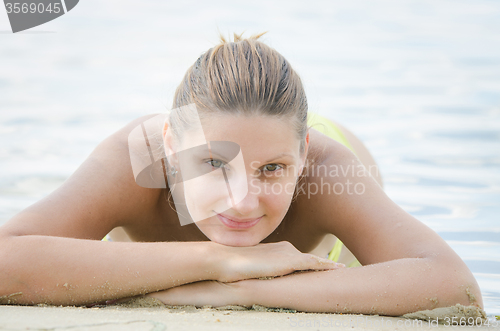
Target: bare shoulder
{"points": [[362, 153], [340, 198], [99, 196]]}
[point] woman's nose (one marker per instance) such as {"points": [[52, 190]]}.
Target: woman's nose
{"points": [[248, 200], [249, 203]]}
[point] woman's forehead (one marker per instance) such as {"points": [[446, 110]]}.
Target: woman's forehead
{"points": [[255, 134], [247, 125]]}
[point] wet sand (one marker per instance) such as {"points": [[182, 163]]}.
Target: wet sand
{"points": [[150, 314]]}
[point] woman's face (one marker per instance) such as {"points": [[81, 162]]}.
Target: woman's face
{"points": [[240, 202]]}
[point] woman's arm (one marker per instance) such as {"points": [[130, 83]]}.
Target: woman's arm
{"points": [[390, 288], [62, 271]]}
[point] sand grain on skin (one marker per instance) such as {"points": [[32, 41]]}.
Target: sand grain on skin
{"points": [[7, 299]]}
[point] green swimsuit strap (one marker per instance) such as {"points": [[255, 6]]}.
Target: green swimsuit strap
{"points": [[329, 129]]}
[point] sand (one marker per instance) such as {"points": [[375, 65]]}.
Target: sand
{"points": [[446, 314], [189, 318], [152, 314]]}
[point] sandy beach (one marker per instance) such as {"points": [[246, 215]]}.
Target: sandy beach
{"points": [[150, 315]]}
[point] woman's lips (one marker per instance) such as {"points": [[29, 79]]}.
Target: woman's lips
{"points": [[244, 224]]}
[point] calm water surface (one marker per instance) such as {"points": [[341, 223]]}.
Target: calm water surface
{"points": [[418, 82]]}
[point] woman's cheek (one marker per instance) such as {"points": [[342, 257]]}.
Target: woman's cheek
{"points": [[199, 198], [278, 194], [285, 197], [206, 194]]}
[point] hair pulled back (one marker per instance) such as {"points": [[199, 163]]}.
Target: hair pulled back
{"points": [[243, 76]]}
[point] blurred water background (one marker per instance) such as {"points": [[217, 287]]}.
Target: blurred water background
{"points": [[417, 81]]}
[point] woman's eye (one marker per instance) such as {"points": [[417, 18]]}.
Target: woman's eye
{"points": [[272, 167], [216, 163]]}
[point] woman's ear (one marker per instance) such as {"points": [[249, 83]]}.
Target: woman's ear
{"points": [[307, 143], [168, 142], [304, 156]]}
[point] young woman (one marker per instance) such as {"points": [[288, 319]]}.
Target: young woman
{"points": [[249, 238]]}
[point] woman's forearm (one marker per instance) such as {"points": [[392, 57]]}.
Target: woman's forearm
{"points": [[391, 288], [55, 270]]}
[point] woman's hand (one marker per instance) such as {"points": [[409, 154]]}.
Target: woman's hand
{"points": [[203, 293], [272, 259]]}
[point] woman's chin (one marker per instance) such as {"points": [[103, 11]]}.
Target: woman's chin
{"points": [[229, 237], [237, 240]]}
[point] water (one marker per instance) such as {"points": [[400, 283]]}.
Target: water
{"points": [[418, 82]]}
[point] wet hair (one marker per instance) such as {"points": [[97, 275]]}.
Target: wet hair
{"points": [[242, 77]]}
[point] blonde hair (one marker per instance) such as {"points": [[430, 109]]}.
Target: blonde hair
{"points": [[243, 76]]}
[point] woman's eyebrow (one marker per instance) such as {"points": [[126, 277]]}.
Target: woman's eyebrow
{"points": [[280, 156], [213, 153]]}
